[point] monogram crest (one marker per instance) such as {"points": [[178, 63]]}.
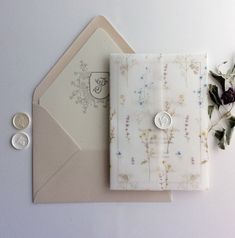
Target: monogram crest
{"points": [[90, 89], [99, 86]]}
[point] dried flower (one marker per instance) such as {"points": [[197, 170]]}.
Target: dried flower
{"points": [[228, 96], [225, 75], [223, 68]]}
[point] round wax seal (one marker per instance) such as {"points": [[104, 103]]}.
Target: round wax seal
{"points": [[20, 140], [163, 120], [20, 120]]}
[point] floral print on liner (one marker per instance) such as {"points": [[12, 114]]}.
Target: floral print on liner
{"points": [[142, 156], [90, 88]]}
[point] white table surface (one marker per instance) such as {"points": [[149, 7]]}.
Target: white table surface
{"points": [[33, 34]]}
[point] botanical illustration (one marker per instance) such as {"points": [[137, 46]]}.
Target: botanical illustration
{"points": [[203, 139], [181, 99], [149, 139], [165, 82], [164, 175], [125, 181], [125, 65], [186, 128], [122, 99], [89, 88], [162, 180], [190, 181], [143, 93], [127, 125], [186, 63], [169, 134]]}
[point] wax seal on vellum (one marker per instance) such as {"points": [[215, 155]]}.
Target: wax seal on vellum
{"points": [[163, 120]]}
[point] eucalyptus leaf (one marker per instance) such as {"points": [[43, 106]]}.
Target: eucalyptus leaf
{"points": [[220, 79], [214, 95], [210, 110], [231, 124], [231, 121], [220, 135], [229, 135], [221, 145]]}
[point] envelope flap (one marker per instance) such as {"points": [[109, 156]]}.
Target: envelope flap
{"points": [[80, 182], [97, 22], [60, 149]]}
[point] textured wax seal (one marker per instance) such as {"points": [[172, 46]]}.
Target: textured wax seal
{"points": [[20, 140], [20, 120], [163, 120]]}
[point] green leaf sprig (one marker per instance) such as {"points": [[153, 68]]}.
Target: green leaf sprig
{"points": [[222, 95]]}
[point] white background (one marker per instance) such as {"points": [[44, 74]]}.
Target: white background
{"points": [[33, 34]]}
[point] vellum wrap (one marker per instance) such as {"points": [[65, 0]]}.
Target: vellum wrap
{"points": [[142, 156]]}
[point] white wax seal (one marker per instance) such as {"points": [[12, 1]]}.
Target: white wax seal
{"points": [[20, 140], [20, 120], [163, 120]]}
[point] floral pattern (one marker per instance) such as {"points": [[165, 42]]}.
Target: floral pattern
{"points": [[144, 157], [148, 137]]}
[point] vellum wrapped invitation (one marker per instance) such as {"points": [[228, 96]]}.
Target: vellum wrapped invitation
{"points": [[158, 122]]}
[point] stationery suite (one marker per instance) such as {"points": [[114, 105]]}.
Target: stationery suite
{"points": [[121, 122], [71, 124], [158, 122]]}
